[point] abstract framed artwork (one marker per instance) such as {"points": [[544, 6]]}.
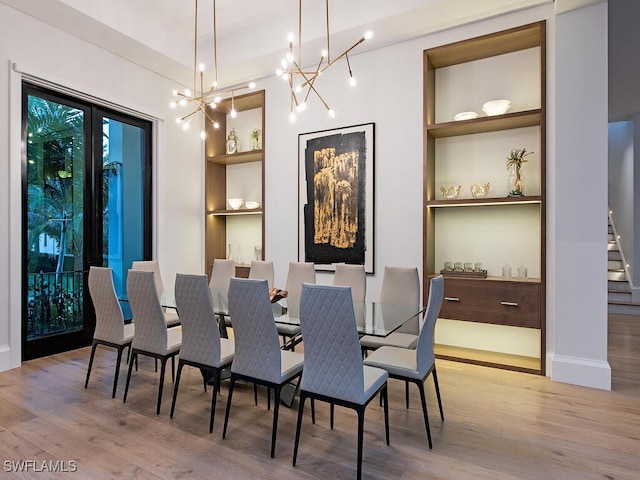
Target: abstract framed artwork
{"points": [[335, 218]]}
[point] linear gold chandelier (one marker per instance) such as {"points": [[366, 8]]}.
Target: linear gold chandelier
{"points": [[200, 98], [302, 82]]}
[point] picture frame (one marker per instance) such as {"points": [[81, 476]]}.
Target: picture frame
{"points": [[336, 197]]}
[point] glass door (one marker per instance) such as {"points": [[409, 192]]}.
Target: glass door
{"points": [[86, 201]]}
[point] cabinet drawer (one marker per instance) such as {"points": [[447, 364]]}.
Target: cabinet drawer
{"points": [[488, 301]]}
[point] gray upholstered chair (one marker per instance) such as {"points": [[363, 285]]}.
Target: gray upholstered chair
{"points": [[111, 330], [170, 315], [221, 274], [152, 338], [202, 346], [262, 270], [352, 276], [416, 365], [298, 273], [258, 358], [333, 368], [400, 285]]}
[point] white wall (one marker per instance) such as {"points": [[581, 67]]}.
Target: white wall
{"points": [[577, 345], [62, 58]]}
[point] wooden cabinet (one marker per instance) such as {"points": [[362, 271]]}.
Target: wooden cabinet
{"points": [[236, 233], [491, 321]]}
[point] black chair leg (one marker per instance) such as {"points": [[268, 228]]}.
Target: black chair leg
{"points": [[173, 368], [386, 412], [303, 397], [313, 411], [93, 352], [214, 397], [255, 393], [163, 367], [175, 388], [274, 429], [115, 378], [423, 399], [332, 409], [360, 411], [134, 359], [435, 381], [232, 382], [406, 393]]}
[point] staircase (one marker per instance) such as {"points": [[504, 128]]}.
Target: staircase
{"points": [[618, 284]]}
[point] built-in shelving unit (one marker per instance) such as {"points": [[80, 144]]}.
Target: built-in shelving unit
{"points": [[496, 321], [239, 233]]}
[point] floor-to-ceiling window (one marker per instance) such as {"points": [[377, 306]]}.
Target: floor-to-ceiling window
{"points": [[87, 201]]}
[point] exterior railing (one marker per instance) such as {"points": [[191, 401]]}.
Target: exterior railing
{"points": [[55, 303]]}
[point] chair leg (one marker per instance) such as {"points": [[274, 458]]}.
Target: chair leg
{"points": [[386, 412], [232, 382], [115, 378], [360, 411], [134, 359], [332, 409], [406, 393], [93, 352], [274, 429], [313, 410], [435, 381], [268, 398], [214, 397], [255, 393], [173, 368], [423, 399], [163, 366], [303, 397], [175, 388]]}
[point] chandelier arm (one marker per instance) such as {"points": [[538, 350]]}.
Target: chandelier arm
{"points": [[327, 17], [195, 48], [299, 31]]}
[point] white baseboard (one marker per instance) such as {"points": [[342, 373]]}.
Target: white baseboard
{"points": [[581, 371], [7, 361]]}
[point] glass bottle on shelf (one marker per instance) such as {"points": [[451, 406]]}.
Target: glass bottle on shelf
{"points": [[230, 255]]}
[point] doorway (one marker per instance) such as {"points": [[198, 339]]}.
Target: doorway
{"points": [[86, 201]]}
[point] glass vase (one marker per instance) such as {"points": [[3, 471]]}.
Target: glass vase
{"points": [[515, 188]]}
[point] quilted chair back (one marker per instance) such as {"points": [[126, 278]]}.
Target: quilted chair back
{"points": [[401, 285], [151, 329], [109, 318], [262, 270], [221, 274], [299, 273], [200, 334], [332, 355], [352, 276], [151, 266], [257, 349], [424, 349]]}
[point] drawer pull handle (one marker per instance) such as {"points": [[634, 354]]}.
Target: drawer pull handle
{"points": [[509, 304], [452, 299]]}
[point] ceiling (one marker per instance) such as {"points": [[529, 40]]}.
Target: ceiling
{"points": [[251, 34]]}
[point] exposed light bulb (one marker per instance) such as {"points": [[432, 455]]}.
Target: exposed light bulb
{"points": [[279, 72], [187, 92], [175, 92], [217, 99], [352, 81], [173, 105], [368, 35], [216, 125], [201, 67], [301, 106], [178, 120], [185, 126], [285, 76], [332, 114], [290, 37], [215, 84], [292, 117], [298, 88], [324, 53], [182, 102], [233, 113], [203, 135], [289, 57], [284, 63], [252, 85]]}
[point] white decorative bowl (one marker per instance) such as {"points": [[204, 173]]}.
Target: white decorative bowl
{"points": [[251, 204], [465, 116], [235, 203], [496, 107]]}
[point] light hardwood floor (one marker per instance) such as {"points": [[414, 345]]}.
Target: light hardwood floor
{"points": [[498, 425]]}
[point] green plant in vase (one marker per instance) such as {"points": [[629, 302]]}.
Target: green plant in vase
{"points": [[514, 165], [255, 139]]}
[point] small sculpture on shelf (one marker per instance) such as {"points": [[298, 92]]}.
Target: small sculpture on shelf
{"points": [[233, 145], [255, 139], [514, 165], [450, 192], [479, 191]]}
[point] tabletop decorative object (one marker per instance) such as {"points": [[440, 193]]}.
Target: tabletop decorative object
{"points": [[233, 146], [479, 191], [514, 166], [450, 192], [255, 139]]}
